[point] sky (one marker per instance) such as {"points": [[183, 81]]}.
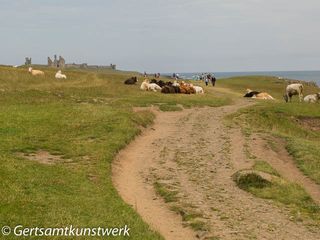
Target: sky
{"points": [[164, 35]]}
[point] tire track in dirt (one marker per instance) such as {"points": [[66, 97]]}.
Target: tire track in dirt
{"points": [[195, 155]]}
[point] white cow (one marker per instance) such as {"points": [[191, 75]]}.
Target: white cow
{"points": [[153, 87], [198, 89], [59, 75], [312, 98], [293, 89], [35, 72], [146, 86], [176, 84]]}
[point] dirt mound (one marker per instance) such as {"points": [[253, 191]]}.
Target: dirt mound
{"points": [[250, 178]]}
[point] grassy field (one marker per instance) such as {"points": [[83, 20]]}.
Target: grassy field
{"points": [[85, 120], [295, 123]]}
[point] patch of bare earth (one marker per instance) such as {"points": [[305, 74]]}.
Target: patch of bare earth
{"points": [[312, 123], [42, 156], [192, 156]]}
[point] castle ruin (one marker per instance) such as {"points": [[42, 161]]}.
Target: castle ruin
{"points": [[87, 66], [61, 63], [56, 63], [28, 61]]}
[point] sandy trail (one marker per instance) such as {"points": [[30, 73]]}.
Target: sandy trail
{"points": [[194, 154]]}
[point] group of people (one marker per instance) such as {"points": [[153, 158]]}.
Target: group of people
{"points": [[208, 78], [156, 75]]}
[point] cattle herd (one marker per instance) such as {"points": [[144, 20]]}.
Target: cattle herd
{"points": [[188, 88], [166, 87], [291, 90]]}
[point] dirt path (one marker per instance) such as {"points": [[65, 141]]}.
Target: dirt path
{"points": [[191, 156]]}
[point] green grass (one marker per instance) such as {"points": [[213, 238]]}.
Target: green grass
{"points": [[272, 85], [263, 166], [198, 225], [292, 196], [87, 118], [190, 217], [251, 181], [281, 119], [170, 108], [167, 194]]}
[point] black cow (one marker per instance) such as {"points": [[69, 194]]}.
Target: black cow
{"points": [[168, 89], [131, 81]]}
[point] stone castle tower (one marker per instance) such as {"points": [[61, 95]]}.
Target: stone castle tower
{"points": [[57, 63], [28, 61]]}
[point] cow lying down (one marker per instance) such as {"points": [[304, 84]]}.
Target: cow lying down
{"points": [[131, 81], [147, 86], [312, 98], [258, 95]]}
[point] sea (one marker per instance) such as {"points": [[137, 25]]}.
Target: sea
{"points": [[292, 75]]}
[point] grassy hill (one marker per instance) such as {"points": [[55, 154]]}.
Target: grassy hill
{"points": [[298, 123], [86, 119]]}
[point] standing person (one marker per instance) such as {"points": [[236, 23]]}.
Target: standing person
{"points": [[213, 80], [174, 75], [206, 79], [145, 74]]}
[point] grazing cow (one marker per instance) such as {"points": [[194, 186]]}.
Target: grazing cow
{"points": [[312, 98], [131, 81], [293, 89], [35, 72], [59, 75]]}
